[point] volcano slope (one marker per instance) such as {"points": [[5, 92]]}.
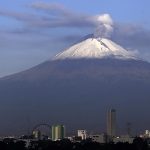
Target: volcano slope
{"points": [[77, 92]]}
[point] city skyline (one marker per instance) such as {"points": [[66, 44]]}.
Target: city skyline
{"points": [[66, 62]]}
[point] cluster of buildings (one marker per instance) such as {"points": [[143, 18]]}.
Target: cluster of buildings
{"points": [[146, 134], [58, 132]]}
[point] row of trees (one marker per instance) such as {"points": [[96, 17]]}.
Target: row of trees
{"points": [[138, 144]]}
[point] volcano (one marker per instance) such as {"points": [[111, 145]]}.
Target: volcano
{"points": [[95, 48], [76, 88]]}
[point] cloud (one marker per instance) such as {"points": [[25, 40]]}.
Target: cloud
{"points": [[134, 37], [54, 16], [58, 16], [17, 15], [104, 26], [70, 38], [132, 34], [51, 8]]}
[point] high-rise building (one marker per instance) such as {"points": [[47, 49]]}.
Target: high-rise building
{"points": [[111, 122], [58, 132], [82, 134]]}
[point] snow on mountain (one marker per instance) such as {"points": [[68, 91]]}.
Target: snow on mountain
{"points": [[95, 48], [78, 86]]}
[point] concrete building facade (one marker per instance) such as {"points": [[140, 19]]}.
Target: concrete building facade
{"points": [[111, 122], [99, 138], [58, 132], [82, 134]]}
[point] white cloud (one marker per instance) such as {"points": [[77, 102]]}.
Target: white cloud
{"points": [[104, 24]]}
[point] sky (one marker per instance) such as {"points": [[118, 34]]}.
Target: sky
{"points": [[33, 31]]}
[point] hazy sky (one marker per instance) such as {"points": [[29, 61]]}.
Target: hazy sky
{"points": [[33, 31]]}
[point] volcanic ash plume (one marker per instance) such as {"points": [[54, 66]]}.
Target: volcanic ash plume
{"points": [[104, 26]]}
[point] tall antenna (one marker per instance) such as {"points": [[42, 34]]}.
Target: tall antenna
{"points": [[129, 128], [28, 125]]}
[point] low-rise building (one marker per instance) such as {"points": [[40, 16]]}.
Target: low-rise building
{"points": [[123, 139], [100, 138], [82, 134]]}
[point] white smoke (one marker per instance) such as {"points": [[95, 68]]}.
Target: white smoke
{"points": [[104, 25]]}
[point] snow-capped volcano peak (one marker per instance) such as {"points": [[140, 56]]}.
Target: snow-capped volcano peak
{"points": [[95, 48]]}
